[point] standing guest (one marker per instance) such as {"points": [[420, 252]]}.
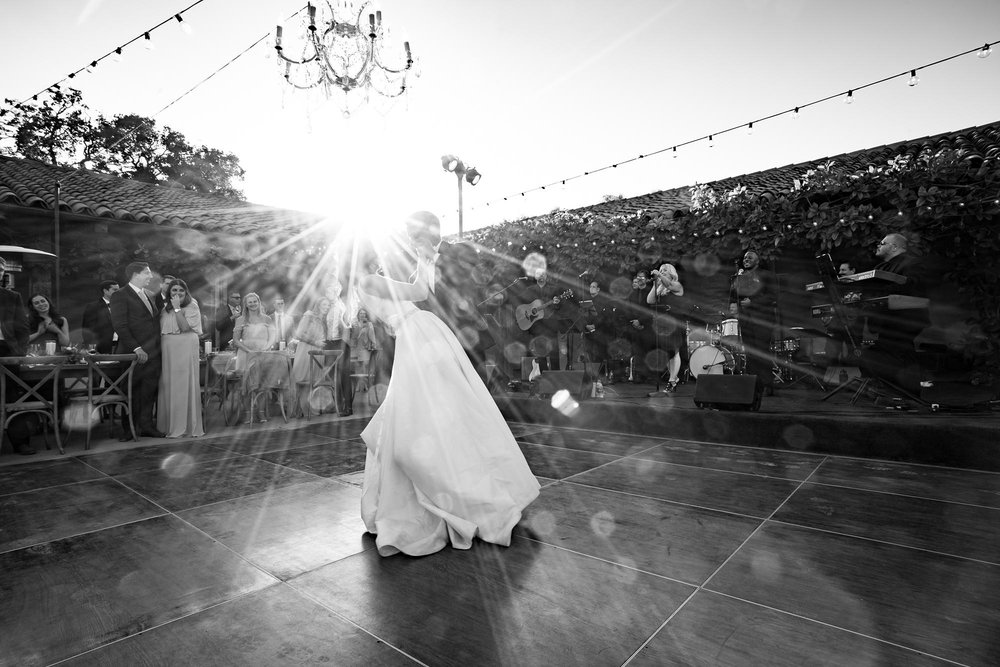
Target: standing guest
{"points": [[178, 409], [669, 331], [138, 325], [162, 297], [753, 297], [310, 335], [338, 331], [542, 330], [253, 331], [97, 328], [46, 324], [14, 332], [284, 323], [225, 320], [363, 341]]}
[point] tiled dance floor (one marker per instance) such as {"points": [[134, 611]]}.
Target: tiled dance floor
{"points": [[249, 550]]}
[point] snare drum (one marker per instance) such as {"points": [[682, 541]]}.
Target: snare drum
{"points": [[730, 327], [710, 360]]}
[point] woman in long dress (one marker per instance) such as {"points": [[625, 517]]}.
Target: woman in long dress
{"points": [[310, 335], [178, 405], [442, 465]]}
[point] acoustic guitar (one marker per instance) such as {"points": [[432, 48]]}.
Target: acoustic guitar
{"points": [[529, 313]]}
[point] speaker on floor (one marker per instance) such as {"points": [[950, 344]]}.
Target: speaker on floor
{"points": [[552, 381], [727, 392]]}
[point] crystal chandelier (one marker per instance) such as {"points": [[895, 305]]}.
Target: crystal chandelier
{"points": [[345, 52]]}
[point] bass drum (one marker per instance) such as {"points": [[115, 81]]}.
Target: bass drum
{"points": [[710, 360]]}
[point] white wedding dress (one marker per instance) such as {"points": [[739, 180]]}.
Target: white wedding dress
{"points": [[442, 465]]}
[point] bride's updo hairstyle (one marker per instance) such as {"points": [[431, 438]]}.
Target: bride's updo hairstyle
{"points": [[424, 227]]}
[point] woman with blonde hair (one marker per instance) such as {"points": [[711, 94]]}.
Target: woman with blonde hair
{"points": [[253, 331], [669, 331]]}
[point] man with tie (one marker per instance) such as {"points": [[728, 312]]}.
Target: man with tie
{"points": [[138, 325], [97, 327], [284, 323]]}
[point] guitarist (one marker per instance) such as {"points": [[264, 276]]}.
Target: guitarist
{"points": [[541, 300]]}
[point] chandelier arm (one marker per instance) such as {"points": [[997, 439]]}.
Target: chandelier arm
{"points": [[282, 55]]}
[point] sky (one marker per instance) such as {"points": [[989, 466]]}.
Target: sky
{"points": [[531, 92]]}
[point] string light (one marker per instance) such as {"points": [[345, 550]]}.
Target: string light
{"points": [[985, 51], [149, 42], [749, 128], [185, 27], [914, 79], [850, 97], [795, 114]]}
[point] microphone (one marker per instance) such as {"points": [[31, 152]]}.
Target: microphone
{"points": [[583, 274]]}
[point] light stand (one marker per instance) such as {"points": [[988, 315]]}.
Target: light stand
{"points": [[462, 172]]}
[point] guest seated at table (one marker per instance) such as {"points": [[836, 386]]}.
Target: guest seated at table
{"points": [[310, 335], [46, 324], [178, 405], [253, 331]]}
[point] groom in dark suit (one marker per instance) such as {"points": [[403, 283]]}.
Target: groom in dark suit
{"points": [[138, 326], [454, 293]]}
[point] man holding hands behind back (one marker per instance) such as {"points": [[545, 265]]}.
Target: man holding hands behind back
{"points": [[138, 325]]}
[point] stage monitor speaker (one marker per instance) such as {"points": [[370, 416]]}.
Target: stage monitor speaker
{"points": [[727, 392], [552, 381]]}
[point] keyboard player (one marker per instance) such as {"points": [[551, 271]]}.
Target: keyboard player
{"points": [[893, 357]]}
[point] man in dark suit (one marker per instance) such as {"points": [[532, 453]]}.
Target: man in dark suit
{"points": [[138, 325], [454, 292], [225, 319], [97, 327], [14, 331]]}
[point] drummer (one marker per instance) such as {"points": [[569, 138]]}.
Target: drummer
{"points": [[669, 330], [752, 298]]}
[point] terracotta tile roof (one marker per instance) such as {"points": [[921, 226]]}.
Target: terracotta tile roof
{"points": [[977, 142], [31, 184]]}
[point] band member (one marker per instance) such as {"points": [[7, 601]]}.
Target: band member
{"points": [[597, 324], [893, 356], [669, 331], [636, 325], [752, 299], [538, 315]]}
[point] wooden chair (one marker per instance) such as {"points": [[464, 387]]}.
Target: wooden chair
{"points": [[33, 400], [364, 372], [267, 374], [110, 386], [325, 366]]}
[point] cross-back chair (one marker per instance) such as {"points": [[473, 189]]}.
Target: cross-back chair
{"points": [[19, 397], [110, 386]]}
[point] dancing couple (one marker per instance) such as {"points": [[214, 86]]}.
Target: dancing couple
{"points": [[442, 465]]}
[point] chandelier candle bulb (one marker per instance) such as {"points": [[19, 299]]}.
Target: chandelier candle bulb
{"points": [[277, 37]]}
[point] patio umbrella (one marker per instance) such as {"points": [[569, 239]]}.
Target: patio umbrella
{"points": [[22, 249]]}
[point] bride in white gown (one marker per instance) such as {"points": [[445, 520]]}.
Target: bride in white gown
{"points": [[442, 465]]}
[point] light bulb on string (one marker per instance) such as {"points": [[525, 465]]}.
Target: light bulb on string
{"points": [[795, 114], [749, 129], [675, 151], [148, 42], [711, 141], [985, 51], [914, 79], [185, 27], [117, 55], [850, 97]]}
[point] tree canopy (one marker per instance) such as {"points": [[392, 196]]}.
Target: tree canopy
{"points": [[60, 131]]}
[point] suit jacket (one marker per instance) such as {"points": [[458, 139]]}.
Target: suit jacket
{"points": [[454, 298], [136, 326], [14, 321], [97, 327], [287, 329], [224, 324]]}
